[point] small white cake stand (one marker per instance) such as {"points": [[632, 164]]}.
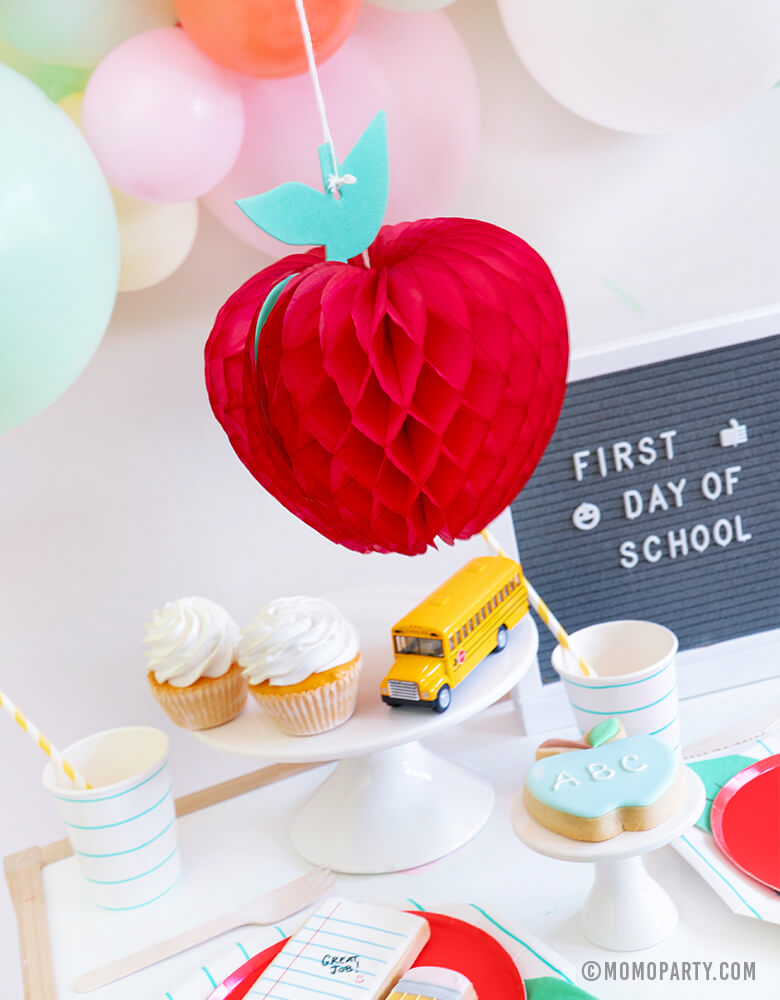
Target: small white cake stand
{"points": [[626, 910], [390, 804]]}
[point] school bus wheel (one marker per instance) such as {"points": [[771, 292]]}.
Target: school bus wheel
{"points": [[501, 639], [442, 700]]}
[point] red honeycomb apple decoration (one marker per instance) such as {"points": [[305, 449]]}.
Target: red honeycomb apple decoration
{"points": [[390, 403]]}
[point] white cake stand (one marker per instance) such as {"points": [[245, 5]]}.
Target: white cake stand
{"points": [[626, 910], [390, 804]]}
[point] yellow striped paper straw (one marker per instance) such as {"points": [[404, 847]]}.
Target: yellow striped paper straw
{"points": [[544, 612], [35, 734]]}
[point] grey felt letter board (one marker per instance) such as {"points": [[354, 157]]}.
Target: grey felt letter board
{"points": [[658, 498]]}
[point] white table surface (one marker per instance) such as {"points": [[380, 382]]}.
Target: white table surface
{"points": [[246, 842]]}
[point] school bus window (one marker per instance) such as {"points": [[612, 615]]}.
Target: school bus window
{"points": [[452, 642], [415, 645]]}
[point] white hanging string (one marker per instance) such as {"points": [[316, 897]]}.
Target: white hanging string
{"points": [[335, 181]]}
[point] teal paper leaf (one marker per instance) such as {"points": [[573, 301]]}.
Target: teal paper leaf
{"points": [[714, 773], [297, 214]]}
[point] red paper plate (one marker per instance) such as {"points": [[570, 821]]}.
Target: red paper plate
{"points": [[746, 820], [454, 944]]}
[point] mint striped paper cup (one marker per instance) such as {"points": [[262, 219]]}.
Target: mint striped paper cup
{"points": [[123, 829], [636, 678]]}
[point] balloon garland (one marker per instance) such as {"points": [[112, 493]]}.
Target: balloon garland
{"points": [[400, 385], [203, 110]]}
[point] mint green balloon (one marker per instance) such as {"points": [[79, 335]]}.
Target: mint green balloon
{"points": [[59, 251]]}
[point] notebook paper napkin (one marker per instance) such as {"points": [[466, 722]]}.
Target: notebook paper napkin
{"points": [[344, 944], [532, 956], [738, 891]]}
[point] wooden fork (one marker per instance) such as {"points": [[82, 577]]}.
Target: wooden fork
{"points": [[269, 908]]}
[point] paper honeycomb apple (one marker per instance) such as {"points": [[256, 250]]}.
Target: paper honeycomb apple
{"points": [[395, 400]]}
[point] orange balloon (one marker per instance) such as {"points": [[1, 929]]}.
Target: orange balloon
{"points": [[263, 37]]}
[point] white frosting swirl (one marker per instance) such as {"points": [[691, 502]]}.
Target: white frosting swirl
{"points": [[189, 639], [294, 637]]}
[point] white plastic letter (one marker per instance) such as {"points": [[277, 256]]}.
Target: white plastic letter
{"points": [[652, 555], [632, 503], [628, 556], [711, 485], [657, 499], [677, 540], [722, 532], [580, 462], [731, 478], [621, 455], [666, 437], [677, 490], [647, 452], [700, 537]]}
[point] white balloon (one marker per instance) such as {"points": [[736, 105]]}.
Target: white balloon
{"points": [[412, 5], [154, 238], [648, 66]]}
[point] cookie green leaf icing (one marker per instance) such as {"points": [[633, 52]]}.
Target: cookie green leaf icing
{"points": [[603, 732]]}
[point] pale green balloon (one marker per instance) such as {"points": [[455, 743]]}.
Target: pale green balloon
{"points": [[78, 32], [55, 81], [59, 251]]}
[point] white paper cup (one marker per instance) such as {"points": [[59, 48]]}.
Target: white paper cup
{"points": [[636, 682], [123, 829]]}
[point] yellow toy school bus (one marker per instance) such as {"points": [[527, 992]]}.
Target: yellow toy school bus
{"points": [[440, 642]]}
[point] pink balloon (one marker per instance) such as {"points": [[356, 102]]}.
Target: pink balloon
{"points": [[417, 69], [164, 121]]}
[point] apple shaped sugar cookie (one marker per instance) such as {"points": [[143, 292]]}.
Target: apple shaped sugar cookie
{"points": [[634, 783]]}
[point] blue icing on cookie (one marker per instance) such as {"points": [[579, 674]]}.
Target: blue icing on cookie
{"points": [[635, 771]]}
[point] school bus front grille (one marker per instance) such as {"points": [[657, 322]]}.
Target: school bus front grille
{"points": [[406, 690]]}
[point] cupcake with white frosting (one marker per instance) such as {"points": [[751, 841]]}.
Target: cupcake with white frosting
{"points": [[301, 658], [193, 671]]}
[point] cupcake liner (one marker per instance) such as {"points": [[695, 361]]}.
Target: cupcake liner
{"points": [[210, 701], [315, 710]]}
